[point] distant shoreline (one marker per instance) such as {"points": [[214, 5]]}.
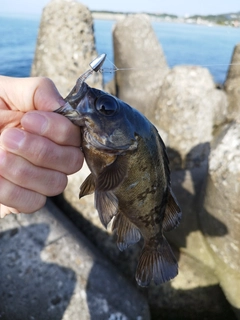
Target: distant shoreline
{"points": [[228, 20], [119, 16], [108, 15]]}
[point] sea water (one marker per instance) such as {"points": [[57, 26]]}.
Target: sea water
{"points": [[17, 45], [186, 44]]}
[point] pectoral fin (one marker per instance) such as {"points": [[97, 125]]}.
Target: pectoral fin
{"points": [[87, 187], [112, 175], [173, 214], [106, 204], [127, 232]]}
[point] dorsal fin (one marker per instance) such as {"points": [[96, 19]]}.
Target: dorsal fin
{"points": [[173, 214], [127, 232], [163, 155], [87, 187], [112, 175]]}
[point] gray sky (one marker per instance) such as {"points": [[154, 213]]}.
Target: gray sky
{"points": [[178, 7]]}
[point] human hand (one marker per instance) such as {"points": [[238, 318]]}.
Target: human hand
{"points": [[38, 148]]}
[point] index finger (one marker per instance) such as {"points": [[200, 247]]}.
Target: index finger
{"points": [[52, 126]]}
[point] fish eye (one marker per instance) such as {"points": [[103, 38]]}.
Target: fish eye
{"points": [[106, 105]]}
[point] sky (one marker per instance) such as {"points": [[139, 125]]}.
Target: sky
{"points": [[178, 7]]}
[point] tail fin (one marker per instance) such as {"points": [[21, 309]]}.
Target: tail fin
{"points": [[156, 263]]}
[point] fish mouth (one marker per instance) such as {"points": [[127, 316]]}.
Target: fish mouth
{"points": [[72, 114], [69, 109], [77, 93]]}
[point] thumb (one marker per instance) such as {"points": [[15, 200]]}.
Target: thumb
{"points": [[25, 94]]}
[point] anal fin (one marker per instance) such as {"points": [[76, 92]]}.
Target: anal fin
{"points": [[157, 264], [127, 232], [106, 204], [173, 213]]}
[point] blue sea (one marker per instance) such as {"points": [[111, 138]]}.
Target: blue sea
{"points": [[190, 44]]}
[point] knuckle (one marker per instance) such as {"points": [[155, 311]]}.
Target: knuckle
{"points": [[23, 200], [44, 81], [45, 152], [21, 172]]}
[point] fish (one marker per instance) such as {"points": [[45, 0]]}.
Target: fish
{"points": [[130, 177]]}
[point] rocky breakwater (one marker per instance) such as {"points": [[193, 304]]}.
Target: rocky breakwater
{"points": [[232, 84], [189, 108], [222, 201], [204, 155], [186, 106], [65, 44], [138, 51]]}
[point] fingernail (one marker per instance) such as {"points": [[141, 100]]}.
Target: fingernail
{"points": [[2, 214], [12, 138], [34, 121], [4, 211]]}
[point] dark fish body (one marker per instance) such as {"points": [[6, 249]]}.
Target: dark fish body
{"points": [[129, 177]]}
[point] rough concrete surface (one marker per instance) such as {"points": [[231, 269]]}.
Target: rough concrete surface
{"points": [[65, 45], [189, 107], [136, 47], [232, 84], [49, 271], [222, 201]]}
